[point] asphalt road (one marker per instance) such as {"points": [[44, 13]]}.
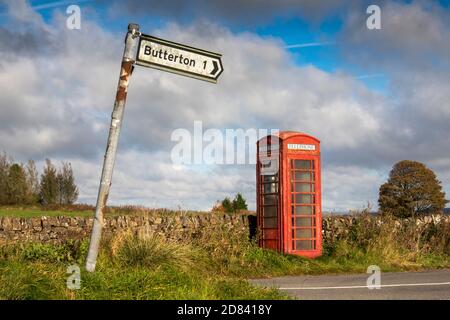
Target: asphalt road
{"points": [[425, 285]]}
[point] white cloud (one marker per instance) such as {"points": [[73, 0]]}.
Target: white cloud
{"points": [[360, 185], [59, 106]]}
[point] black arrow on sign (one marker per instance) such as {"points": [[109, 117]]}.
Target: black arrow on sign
{"points": [[216, 68]]}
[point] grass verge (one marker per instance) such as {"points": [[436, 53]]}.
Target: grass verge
{"points": [[212, 265]]}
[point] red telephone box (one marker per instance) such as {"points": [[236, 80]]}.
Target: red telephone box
{"points": [[289, 199]]}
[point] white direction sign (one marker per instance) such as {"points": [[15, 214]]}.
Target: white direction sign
{"points": [[177, 58]]}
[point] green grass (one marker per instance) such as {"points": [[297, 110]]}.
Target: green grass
{"points": [[82, 210], [128, 268], [214, 264], [154, 268], [30, 212]]}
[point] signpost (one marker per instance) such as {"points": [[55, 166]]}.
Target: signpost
{"points": [[148, 51], [180, 59]]}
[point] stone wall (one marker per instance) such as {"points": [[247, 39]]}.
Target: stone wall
{"points": [[173, 226], [59, 229], [335, 227]]}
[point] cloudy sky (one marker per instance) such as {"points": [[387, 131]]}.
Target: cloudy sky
{"points": [[373, 97]]}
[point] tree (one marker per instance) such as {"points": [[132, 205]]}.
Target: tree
{"points": [[5, 163], [239, 203], [412, 189], [68, 191], [32, 177], [227, 205], [16, 185], [49, 188]]}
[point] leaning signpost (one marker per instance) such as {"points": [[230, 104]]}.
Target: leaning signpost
{"points": [[147, 51]]}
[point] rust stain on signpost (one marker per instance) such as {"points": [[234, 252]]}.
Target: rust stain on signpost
{"points": [[127, 69], [131, 44]]}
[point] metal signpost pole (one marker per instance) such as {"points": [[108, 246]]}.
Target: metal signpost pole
{"points": [[147, 51], [129, 56]]}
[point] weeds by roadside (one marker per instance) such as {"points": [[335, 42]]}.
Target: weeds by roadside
{"points": [[213, 263]]}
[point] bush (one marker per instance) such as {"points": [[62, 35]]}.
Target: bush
{"points": [[226, 205], [239, 203]]}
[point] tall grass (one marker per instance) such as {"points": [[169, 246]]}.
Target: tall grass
{"points": [[392, 242], [213, 264], [150, 251]]}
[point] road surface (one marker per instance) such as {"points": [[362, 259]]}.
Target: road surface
{"points": [[425, 285]]}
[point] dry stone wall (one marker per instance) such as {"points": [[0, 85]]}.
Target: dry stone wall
{"points": [[60, 229], [175, 226]]}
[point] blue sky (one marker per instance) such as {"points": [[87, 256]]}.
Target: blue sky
{"points": [[373, 97], [313, 43]]}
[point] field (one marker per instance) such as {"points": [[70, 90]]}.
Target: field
{"points": [[79, 210], [35, 211], [213, 265]]}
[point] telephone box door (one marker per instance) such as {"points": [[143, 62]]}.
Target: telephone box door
{"points": [[304, 203]]}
